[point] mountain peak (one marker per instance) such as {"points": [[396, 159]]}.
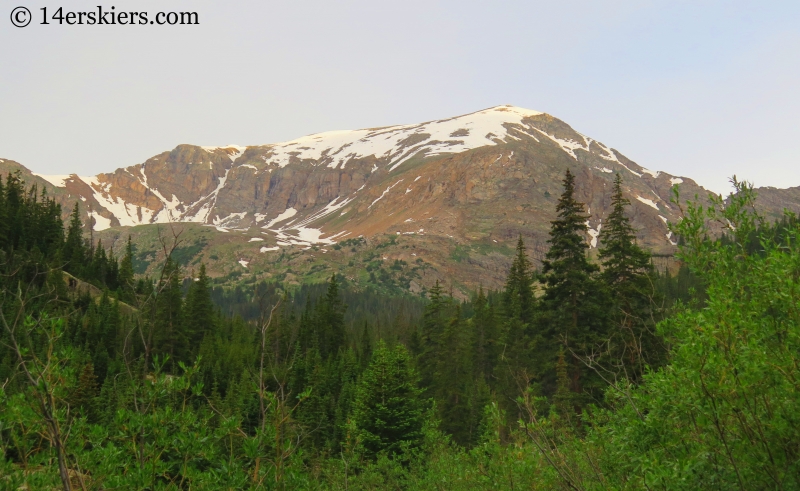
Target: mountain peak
{"points": [[341, 184]]}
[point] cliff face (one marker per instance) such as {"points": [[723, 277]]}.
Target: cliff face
{"points": [[482, 178]]}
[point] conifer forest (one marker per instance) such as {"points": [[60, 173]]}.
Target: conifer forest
{"points": [[585, 372]]}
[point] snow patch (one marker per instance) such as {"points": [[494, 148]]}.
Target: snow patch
{"points": [[243, 263], [336, 148], [287, 214], [675, 180], [652, 173], [57, 181], [100, 222], [568, 146], [268, 249], [229, 221], [256, 239], [384, 193], [594, 234], [648, 202], [233, 151]]}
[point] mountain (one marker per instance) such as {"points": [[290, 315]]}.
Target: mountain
{"points": [[441, 200]]}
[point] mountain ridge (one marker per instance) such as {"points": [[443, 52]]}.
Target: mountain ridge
{"points": [[486, 177]]}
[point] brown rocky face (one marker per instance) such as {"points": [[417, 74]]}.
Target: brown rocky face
{"points": [[484, 178]]}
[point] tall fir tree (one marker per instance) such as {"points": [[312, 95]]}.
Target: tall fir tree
{"points": [[485, 336], [387, 412], [628, 275], [429, 346], [574, 304], [126, 274], [199, 308], [518, 294], [330, 320], [170, 335], [74, 249]]}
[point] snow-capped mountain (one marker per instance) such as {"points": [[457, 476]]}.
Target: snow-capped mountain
{"points": [[453, 195], [340, 184]]}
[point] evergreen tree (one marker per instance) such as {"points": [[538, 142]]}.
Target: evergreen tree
{"points": [[574, 304], [454, 384], [366, 344], [628, 275], [74, 250], [518, 294], [485, 336], [83, 396], [330, 320], [429, 345], [387, 412], [126, 268], [199, 310], [170, 336]]}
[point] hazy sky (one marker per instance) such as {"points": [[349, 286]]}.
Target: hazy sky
{"points": [[696, 88]]}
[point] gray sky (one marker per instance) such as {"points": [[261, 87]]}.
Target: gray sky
{"points": [[704, 89]]}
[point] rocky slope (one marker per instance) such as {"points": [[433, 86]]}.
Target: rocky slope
{"points": [[472, 183]]}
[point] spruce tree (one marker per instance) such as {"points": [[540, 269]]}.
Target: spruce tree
{"points": [[170, 335], [484, 332], [518, 294], [126, 268], [330, 320], [387, 412], [628, 275], [199, 310], [429, 345], [74, 250], [574, 303], [366, 344], [83, 396], [453, 383]]}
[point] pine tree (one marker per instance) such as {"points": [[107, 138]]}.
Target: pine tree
{"points": [[83, 396], [330, 320], [126, 269], [433, 326], [170, 335], [485, 336], [366, 344], [628, 275], [199, 310], [74, 250], [518, 294], [453, 383], [574, 303], [387, 412]]}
